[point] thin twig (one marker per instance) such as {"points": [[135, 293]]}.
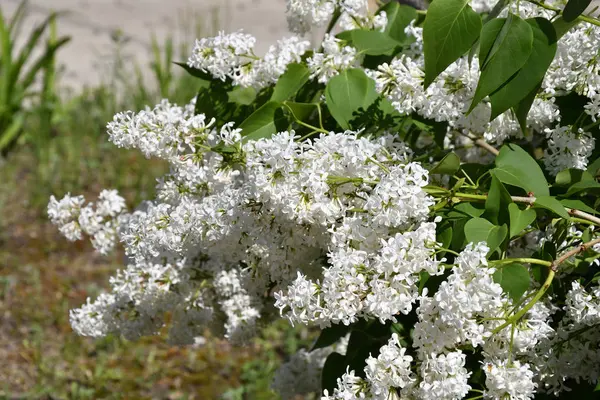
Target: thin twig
{"points": [[553, 269], [579, 249], [482, 143], [530, 200]]}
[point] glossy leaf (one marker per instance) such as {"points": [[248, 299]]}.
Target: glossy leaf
{"points": [[552, 204], [571, 176], [450, 29], [514, 166], [288, 84], [586, 185], [506, 44], [521, 110], [241, 95], [373, 43], [578, 205], [261, 123], [195, 72], [574, 9], [334, 368], [399, 17], [447, 165], [347, 92], [532, 72], [519, 219], [497, 201], [330, 335]]}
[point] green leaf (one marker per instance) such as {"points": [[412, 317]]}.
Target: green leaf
{"points": [[347, 92], [212, 100], [578, 205], [399, 17], [516, 167], [497, 201], [552, 204], [519, 219], [531, 74], [482, 230], [373, 43], [195, 72], [300, 111], [447, 165], [261, 123], [330, 335], [522, 109], [582, 186], [571, 176], [501, 55], [594, 168], [445, 236], [334, 368], [574, 9], [514, 279], [561, 26], [462, 209], [450, 29], [288, 84], [241, 95]]}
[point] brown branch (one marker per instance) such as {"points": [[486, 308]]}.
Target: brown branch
{"points": [[482, 143], [579, 249]]}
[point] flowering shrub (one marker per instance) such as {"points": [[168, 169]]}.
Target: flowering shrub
{"points": [[422, 186]]}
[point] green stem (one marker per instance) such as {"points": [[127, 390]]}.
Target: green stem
{"points": [[529, 305], [314, 128], [523, 260], [584, 18], [592, 125]]}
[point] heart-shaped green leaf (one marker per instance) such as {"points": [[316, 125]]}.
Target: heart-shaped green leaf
{"points": [[516, 167], [347, 92], [447, 165], [482, 230], [519, 219], [552, 204], [514, 279], [294, 77], [261, 123]]}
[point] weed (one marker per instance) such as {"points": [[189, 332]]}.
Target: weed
{"points": [[18, 73]]}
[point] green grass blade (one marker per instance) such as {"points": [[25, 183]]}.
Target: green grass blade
{"points": [[30, 44], [5, 65], [43, 61], [11, 133], [17, 19]]}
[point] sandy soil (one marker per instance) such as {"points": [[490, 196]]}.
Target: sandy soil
{"points": [[96, 25]]}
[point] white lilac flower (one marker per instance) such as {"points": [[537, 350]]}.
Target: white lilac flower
{"points": [[336, 57], [391, 369], [303, 15], [567, 149], [166, 131], [444, 376], [277, 58], [451, 317], [508, 380], [223, 55], [349, 387]]}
